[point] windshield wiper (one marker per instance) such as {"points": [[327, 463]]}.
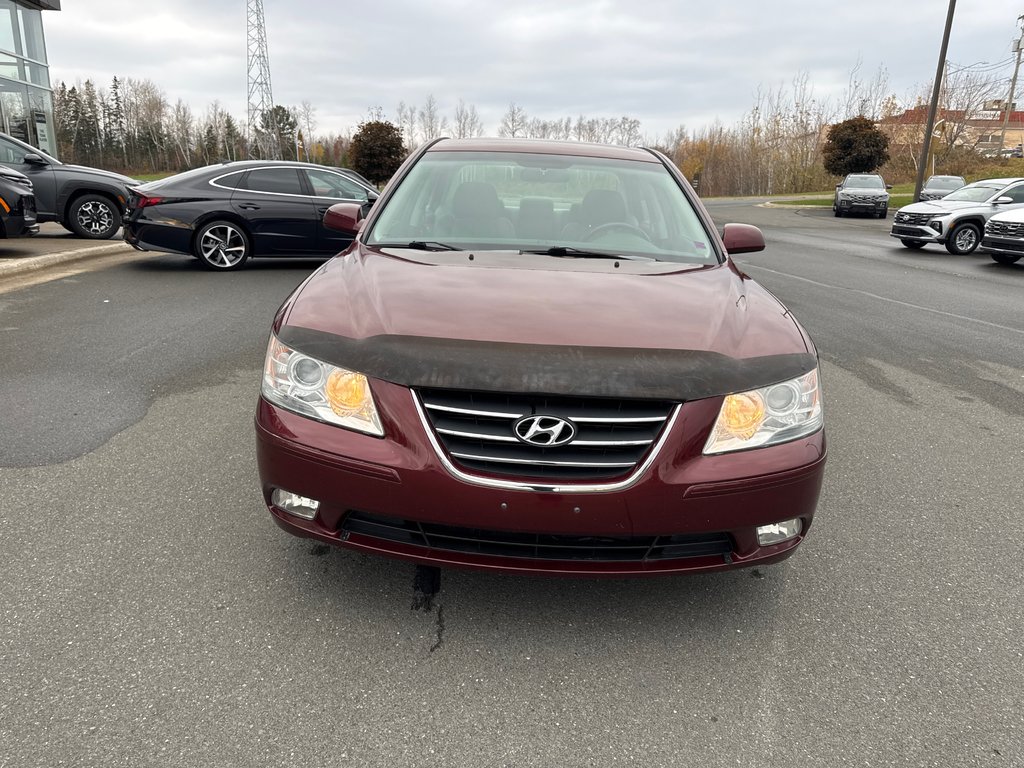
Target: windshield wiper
{"points": [[421, 245], [568, 252]]}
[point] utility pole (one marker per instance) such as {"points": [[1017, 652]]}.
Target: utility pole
{"points": [[922, 165], [1008, 107], [261, 98]]}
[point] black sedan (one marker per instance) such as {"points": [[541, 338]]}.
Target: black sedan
{"points": [[223, 214]]}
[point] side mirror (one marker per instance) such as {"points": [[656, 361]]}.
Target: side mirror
{"points": [[1002, 200], [33, 159], [838, 186], [888, 186], [742, 238], [344, 217]]}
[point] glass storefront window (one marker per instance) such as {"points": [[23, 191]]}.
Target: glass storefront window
{"points": [[31, 23], [8, 25], [26, 102]]}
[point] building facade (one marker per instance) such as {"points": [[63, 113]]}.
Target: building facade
{"points": [[26, 98]]}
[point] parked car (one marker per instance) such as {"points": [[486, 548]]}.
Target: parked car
{"points": [[541, 357], [86, 201], [1004, 236], [224, 214], [17, 205], [937, 187], [958, 219], [861, 193]]}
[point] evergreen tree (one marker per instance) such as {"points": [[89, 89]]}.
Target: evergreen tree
{"points": [[855, 146], [376, 150]]}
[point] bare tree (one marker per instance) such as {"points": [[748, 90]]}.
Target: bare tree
{"points": [[514, 123], [467, 123], [432, 125]]}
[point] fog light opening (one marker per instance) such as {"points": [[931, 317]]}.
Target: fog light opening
{"points": [[293, 504], [776, 533]]}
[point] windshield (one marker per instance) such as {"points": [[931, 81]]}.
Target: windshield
{"points": [[865, 182], [974, 193], [944, 182], [574, 207]]}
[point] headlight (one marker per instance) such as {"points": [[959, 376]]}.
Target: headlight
{"points": [[319, 390], [768, 416]]}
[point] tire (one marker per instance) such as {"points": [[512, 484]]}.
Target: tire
{"points": [[964, 239], [883, 213], [913, 244], [222, 246], [837, 212], [94, 217], [1005, 258]]}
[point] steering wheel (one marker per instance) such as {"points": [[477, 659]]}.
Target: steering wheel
{"points": [[611, 226]]}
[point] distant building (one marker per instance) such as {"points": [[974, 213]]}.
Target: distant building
{"points": [[26, 99], [980, 130]]}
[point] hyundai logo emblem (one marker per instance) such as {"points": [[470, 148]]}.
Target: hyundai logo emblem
{"points": [[544, 431]]}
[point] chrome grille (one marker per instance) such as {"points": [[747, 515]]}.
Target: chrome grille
{"points": [[916, 219], [1004, 228], [476, 430]]}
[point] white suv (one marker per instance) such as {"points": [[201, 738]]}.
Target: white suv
{"points": [[958, 219]]}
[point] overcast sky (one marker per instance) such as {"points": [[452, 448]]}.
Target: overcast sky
{"points": [[664, 62]]}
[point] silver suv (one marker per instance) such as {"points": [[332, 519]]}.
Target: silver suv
{"points": [[958, 219]]}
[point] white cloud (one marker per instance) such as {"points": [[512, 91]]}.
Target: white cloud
{"points": [[663, 62]]}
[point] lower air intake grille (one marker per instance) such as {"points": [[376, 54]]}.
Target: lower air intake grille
{"points": [[538, 546]]}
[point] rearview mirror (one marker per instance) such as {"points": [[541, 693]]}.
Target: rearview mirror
{"points": [[742, 238], [344, 217]]}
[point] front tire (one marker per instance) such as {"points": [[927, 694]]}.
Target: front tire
{"points": [[883, 213], [222, 246], [94, 217], [913, 244], [964, 239], [1005, 258]]}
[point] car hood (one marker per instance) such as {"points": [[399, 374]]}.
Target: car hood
{"points": [[511, 322], [79, 171], [938, 207], [1015, 216]]}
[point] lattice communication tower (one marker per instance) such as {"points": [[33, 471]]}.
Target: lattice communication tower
{"points": [[261, 98]]}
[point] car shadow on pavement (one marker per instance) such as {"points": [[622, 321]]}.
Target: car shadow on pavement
{"points": [[174, 263]]}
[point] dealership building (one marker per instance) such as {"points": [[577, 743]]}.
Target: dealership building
{"points": [[26, 99]]}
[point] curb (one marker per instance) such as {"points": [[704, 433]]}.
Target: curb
{"points": [[18, 266], [770, 204]]}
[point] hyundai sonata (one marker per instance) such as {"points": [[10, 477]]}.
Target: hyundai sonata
{"points": [[541, 357]]}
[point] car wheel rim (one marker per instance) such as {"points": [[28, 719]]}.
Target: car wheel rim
{"points": [[222, 246], [95, 218], [966, 240]]}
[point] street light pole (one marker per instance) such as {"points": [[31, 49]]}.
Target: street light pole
{"points": [[1008, 107], [922, 164]]}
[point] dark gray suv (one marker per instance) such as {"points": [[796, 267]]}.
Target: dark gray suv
{"points": [[862, 193], [86, 201]]}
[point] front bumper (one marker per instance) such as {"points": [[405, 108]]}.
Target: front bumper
{"points": [[921, 232], [1012, 246], [686, 513], [862, 205]]}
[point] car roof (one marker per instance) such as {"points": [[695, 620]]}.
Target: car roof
{"points": [[545, 147]]}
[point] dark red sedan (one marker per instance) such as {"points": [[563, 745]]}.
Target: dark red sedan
{"points": [[540, 357]]}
